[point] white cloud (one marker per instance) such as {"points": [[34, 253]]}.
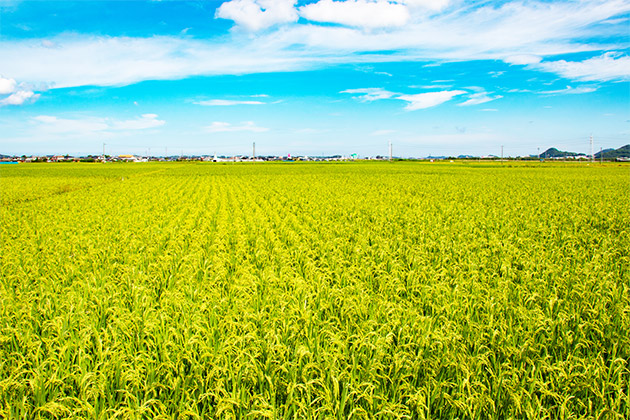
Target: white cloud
{"points": [[571, 91], [94, 125], [431, 87], [17, 95], [54, 125], [615, 21], [255, 15], [222, 127], [370, 94], [435, 5], [357, 13], [424, 100], [7, 86], [479, 98], [20, 97], [429, 99], [116, 61], [142, 123], [227, 102], [609, 66], [523, 59], [519, 32]]}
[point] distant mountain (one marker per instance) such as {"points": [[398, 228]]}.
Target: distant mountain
{"points": [[604, 152], [623, 151], [555, 153]]}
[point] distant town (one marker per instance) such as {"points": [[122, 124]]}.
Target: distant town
{"points": [[621, 154]]}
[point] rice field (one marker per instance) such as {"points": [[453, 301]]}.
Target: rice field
{"points": [[401, 290]]}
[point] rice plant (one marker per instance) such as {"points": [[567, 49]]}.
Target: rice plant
{"points": [[359, 290]]}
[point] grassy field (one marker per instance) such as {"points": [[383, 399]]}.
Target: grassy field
{"points": [[356, 290]]}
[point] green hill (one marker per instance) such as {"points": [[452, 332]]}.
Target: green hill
{"points": [[555, 153], [622, 152]]}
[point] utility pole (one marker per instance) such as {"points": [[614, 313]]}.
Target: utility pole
{"points": [[501, 154], [539, 153], [390, 150], [592, 156], [601, 156], [254, 151]]}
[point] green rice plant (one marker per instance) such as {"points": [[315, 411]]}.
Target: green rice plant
{"points": [[358, 290]]}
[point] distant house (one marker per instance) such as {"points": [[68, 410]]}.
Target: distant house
{"points": [[61, 158]]}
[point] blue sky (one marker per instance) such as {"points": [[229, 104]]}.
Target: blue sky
{"points": [[313, 77]]}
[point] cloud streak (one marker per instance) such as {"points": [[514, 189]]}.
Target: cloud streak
{"points": [[422, 100], [571, 90], [429, 99], [94, 125], [607, 67], [224, 127], [370, 94], [227, 102], [480, 98]]}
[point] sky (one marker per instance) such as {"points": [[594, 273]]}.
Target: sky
{"points": [[317, 77]]}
